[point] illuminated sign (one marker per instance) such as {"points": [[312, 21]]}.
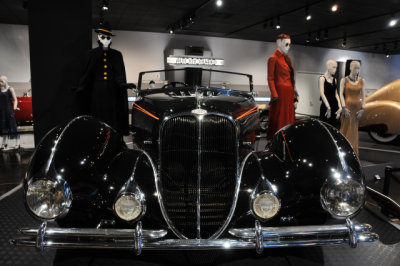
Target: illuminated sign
{"points": [[200, 61]]}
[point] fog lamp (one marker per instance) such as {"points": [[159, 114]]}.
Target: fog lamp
{"points": [[342, 197], [266, 205], [127, 207], [48, 199]]}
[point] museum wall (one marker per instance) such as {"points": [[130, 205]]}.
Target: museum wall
{"points": [[145, 51]]}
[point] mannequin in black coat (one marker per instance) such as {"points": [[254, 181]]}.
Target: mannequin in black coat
{"points": [[102, 87]]}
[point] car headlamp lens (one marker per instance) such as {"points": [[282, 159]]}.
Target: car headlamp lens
{"points": [[128, 208], [47, 199], [266, 205], [342, 197]]}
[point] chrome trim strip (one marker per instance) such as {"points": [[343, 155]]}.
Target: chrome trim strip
{"points": [[238, 176], [251, 238]]}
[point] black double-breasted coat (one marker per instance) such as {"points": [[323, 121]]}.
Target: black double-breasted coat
{"points": [[102, 92]]}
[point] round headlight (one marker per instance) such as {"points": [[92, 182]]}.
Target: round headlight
{"points": [[266, 205], [128, 208], [342, 197], [48, 199]]}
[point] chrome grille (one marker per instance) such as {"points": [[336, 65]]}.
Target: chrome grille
{"points": [[197, 152]]}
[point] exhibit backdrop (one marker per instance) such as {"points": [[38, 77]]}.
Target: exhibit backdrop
{"points": [[145, 51]]}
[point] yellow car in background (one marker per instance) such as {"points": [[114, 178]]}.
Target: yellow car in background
{"points": [[382, 114]]}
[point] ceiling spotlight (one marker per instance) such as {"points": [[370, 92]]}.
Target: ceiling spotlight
{"points": [[393, 22], [344, 43], [219, 3], [171, 30], [334, 8], [105, 5], [308, 15], [278, 23], [387, 54]]}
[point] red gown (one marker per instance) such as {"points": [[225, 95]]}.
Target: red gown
{"points": [[281, 84]]}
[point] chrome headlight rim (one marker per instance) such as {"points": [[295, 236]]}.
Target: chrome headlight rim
{"points": [[140, 199], [335, 215], [255, 196], [65, 189]]}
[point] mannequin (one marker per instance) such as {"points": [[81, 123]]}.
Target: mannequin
{"points": [[330, 106], [102, 87], [152, 84], [8, 103], [353, 108], [281, 84]]}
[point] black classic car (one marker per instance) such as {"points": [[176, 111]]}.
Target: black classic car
{"points": [[193, 180]]}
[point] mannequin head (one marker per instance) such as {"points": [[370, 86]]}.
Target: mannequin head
{"points": [[355, 68], [3, 82], [283, 43], [104, 40], [331, 67], [104, 35], [152, 84]]}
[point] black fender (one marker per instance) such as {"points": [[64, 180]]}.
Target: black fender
{"points": [[301, 157], [80, 153]]}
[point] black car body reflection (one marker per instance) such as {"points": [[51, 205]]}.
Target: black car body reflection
{"points": [[193, 180]]}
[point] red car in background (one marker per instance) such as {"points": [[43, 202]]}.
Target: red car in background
{"points": [[24, 116]]}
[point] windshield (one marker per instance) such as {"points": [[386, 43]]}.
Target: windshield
{"points": [[209, 78]]}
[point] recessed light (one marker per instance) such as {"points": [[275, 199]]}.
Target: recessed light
{"points": [[393, 22], [334, 8], [219, 3]]}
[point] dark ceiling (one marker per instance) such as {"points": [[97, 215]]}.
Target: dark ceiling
{"points": [[363, 24]]}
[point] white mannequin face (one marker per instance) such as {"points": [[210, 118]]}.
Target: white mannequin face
{"points": [[332, 67], [152, 85], [104, 39], [283, 45], [355, 69]]}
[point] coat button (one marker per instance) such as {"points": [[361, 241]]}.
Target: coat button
{"points": [[105, 73], [105, 77], [105, 53], [105, 60], [105, 66]]}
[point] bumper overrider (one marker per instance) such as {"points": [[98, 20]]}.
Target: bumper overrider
{"points": [[138, 239]]}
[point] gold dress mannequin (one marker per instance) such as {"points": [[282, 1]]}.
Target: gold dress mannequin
{"points": [[349, 126]]}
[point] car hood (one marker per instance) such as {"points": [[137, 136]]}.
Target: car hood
{"points": [[161, 104]]}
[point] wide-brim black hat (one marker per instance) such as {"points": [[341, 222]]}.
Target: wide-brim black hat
{"points": [[104, 29]]}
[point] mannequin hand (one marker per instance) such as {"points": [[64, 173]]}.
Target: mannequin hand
{"points": [[360, 113], [16, 108], [346, 112], [338, 113], [328, 113], [274, 100]]}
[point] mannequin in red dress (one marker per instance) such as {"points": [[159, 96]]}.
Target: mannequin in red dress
{"points": [[281, 85]]}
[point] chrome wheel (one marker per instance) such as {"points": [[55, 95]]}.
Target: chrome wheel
{"points": [[383, 138]]}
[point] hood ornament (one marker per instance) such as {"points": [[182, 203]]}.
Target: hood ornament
{"points": [[199, 111]]}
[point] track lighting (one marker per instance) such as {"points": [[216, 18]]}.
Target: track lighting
{"points": [[393, 22], [219, 3], [308, 14], [387, 54], [278, 23], [171, 30], [344, 43], [104, 6]]}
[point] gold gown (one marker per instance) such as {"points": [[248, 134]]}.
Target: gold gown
{"points": [[349, 126]]}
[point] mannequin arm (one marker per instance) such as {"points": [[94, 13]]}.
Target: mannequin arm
{"points": [[322, 91], [342, 102], [362, 92], [339, 111], [14, 99], [271, 77]]}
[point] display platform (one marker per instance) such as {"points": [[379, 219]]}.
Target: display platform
{"points": [[383, 252]]}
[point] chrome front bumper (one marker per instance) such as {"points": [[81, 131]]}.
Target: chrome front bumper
{"points": [[137, 239]]}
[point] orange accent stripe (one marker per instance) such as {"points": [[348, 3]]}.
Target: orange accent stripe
{"points": [[137, 107], [105, 30], [105, 142], [287, 147], [253, 110]]}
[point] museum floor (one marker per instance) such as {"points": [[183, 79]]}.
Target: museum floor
{"points": [[375, 158]]}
